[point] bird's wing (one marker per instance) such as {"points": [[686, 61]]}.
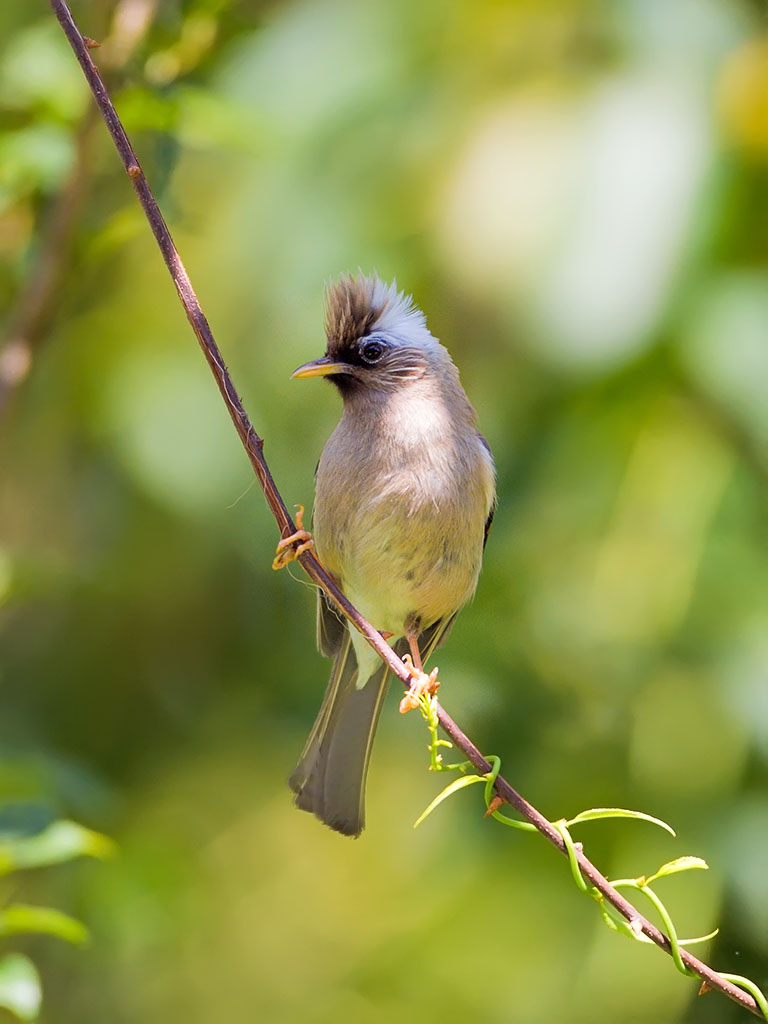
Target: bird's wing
{"points": [[492, 511], [488, 522], [433, 636], [331, 627]]}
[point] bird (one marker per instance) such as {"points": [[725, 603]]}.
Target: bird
{"points": [[405, 492]]}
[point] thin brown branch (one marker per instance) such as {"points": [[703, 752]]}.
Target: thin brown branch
{"points": [[253, 445]]}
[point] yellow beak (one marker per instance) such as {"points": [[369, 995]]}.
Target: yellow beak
{"points": [[320, 368]]}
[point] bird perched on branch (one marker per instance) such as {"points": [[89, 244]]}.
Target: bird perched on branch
{"points": [[404, 497]]}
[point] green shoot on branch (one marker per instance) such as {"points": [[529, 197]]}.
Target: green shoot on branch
{"points": [[611, 916]]}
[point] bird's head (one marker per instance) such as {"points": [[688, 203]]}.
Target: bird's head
{"points": [[377, 339]]}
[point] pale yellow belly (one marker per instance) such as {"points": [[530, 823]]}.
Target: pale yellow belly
{"points": [[394, 566]]}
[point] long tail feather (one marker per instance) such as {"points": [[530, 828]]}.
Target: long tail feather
{"points": [[329, 779]]}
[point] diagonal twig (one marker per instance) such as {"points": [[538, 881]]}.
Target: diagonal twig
{"points": [[253, 445]]}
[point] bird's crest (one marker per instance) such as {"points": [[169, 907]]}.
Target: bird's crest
{"points": [[356, 305]]}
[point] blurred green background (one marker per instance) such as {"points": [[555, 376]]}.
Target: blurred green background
{"points": [[576, 192]]}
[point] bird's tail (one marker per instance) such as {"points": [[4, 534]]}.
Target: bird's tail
{"points": [[329, 779]]}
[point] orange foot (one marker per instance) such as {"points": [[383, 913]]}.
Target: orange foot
{"points": [[289, 548], [421, 683]]}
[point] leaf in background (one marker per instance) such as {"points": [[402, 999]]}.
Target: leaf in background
{"points": [[37, 72], [20, 919], [20, 990], [723, 345], [61, 841], [36, 156]]}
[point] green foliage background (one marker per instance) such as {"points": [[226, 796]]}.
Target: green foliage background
{"points": [[577, 194]]}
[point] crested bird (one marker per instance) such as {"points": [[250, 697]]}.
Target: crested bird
{"points": [[404, 498]]}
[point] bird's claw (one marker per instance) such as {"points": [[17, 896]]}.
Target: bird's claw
{"points": [[421, 683], [289, 548]]}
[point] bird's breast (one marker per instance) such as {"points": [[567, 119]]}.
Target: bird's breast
{"points": [[400, 521]]}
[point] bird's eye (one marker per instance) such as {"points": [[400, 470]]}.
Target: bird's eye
{"points": [[372, 351]]}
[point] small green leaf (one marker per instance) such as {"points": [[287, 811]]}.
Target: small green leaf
{"points": [[457, 784], [20, 990], [21, 919], [59, 842], [596, 813], [673, 867]]}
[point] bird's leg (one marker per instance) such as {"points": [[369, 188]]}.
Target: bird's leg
{"points": [[289, 548], [413, 643], [421, 682]]}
